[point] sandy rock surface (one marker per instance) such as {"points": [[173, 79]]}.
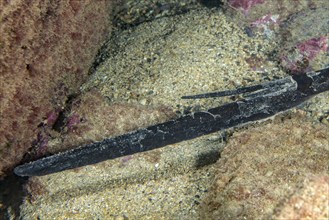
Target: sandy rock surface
{"points": [[263, 165], [260, 166], [251, 174]]}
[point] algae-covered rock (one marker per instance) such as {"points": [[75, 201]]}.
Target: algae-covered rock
{"points": [[148, 69], [46, 50], [262, 166], [309, 200], [175, 56]]}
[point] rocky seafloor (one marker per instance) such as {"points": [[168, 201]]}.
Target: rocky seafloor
{"points": [[271, 169]]}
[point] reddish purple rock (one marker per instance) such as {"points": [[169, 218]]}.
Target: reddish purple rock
{"points": [[245, 5], [73, 121], [298, 59]]}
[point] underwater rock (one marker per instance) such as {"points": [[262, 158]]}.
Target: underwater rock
{"points": [[46, 50], [262, 166]]}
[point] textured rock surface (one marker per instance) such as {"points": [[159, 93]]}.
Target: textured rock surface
{"points": [[303, 45], [157, 62], [46, 49], [256, 9], [197, 52], [93, 118], [310, 201], [151, 66], [264, 165], [163, 184], [262, 172]]}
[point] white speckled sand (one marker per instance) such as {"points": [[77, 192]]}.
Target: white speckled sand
{"points": [[160, 61]]}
